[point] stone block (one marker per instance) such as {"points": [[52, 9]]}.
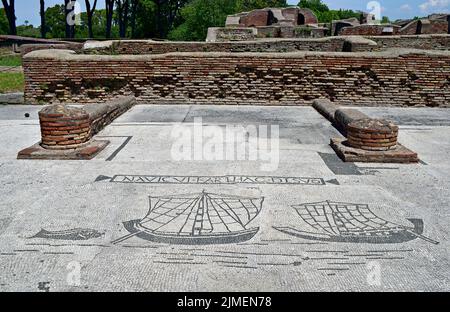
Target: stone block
{"points": [[344, 116], [347, 153], [80, 152], [326, 108]]}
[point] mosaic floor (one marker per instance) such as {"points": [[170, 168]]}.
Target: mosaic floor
{"points": [[134, 219]]}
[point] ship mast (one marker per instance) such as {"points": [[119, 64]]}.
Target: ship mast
{"points": [[199, 216]]}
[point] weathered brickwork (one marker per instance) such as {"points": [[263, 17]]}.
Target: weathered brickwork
{"points": [[433, 27], [372, 134], [27, 48], [410, 29], [425, 42], [232, 34], [67, 131], [278, 45], [330, 44], [369, 30], [64, 127], [408, 78]]}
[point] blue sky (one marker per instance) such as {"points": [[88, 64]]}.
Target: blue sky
{"points": [[395, 9]]}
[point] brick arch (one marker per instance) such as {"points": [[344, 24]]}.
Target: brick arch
{"points": [[271, 19], [307, 17], [301, 19]]}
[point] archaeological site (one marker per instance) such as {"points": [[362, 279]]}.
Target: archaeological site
{"points": [[288, 151]]}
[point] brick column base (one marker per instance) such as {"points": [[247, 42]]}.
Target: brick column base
{"points": [[372, 134], [64, 127]]}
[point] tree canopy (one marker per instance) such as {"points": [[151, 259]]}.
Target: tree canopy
{"points": [[325, 15], [173, 19]]}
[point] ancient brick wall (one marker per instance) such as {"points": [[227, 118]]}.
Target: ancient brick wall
{"points": [[27, 48], [369, 30], [221, 34], [329, 44], [255, 18], [387, 79], [433, 26], [334, 44], [308, 17], [410, 29], [426, 42]]}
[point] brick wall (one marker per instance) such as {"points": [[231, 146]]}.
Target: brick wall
{"points": [[369, 30], [27, 48], [425, 42], [410, 29], [433, 26], [268, 45], [329, 44], [415, 78]]}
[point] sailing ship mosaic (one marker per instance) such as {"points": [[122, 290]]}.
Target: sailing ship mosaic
{"points": [[207, 218], [352, 223], [197, 219]]}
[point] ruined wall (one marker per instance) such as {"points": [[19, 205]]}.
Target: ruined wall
{"points": [[268, 45], [426, 42], [414, 78], [369, 30], [330, 44], [222, 34], [433, 27], [27, 48], [307, 16], [410, 29], [255, 18]]}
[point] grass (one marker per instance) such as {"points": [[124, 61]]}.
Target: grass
{"points": [[11, 82], [10, 60]]}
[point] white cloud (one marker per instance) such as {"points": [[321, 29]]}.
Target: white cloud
{"points": [[437, 5], [406, 8]]}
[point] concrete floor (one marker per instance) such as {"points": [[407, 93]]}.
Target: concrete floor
{"points": [[64, 195]]}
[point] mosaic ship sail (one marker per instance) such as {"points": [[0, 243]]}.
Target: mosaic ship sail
{"points": [[353, 223], [196, 219]]}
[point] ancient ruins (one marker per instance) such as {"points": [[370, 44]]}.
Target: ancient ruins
{"points": [[314, 157], [295, 22]]}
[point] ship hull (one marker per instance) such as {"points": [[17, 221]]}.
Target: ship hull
{"points": [[135, 228], [395, 238]]}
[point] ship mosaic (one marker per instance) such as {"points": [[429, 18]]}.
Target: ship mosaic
{"points": [[197, 219]]}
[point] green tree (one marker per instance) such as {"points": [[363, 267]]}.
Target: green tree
{"points": [[315, 5], [28, 31], [146, 24], [385, 20], [10, 11], [247, 5], [324, 14], [56, 21], [199, 15], [4, 26]]}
